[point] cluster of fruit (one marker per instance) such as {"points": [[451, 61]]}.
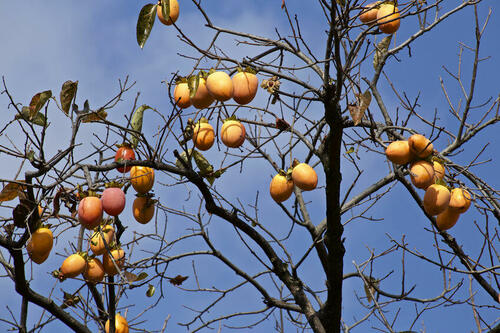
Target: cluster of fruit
{"points": [[427, 173], [301, 175], [385, 14]]}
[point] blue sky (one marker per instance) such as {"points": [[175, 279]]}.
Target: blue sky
{"points": [[47, 43]]}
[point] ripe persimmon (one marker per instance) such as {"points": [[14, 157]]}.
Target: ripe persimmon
{"points": [[202, 98], [369, 13], [123, 154], [174, 13], [420, 146], [142, 178], [97, 241], [113, 201], [181, 95], [447, 219], [388, 18], [143, 209], [439, 170], [245, 86], [436, 199], [121, 325], [304, 177], [119, 257], [232, 133], [73, 266], [280, 187], [398, 152], [40, 245], [220, 86], [94, 271], [90, 212], [203, 135], [422, 174], [460, 200]]}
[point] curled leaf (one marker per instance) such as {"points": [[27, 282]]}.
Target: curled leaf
{"points": [[178, 280], [68, 92], [184, 157], [165, 8], [381, 50], [91, 117], [38, 101], [193, 82], [202, 163], [145, 23], [37, 119], [358, 110], [136, 124], [11, 191], [151, 291]]}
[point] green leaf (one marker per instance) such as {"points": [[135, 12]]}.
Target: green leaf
{"points": [[38, 101], [68, 92], [165, 8], [145, 23], [184, 157], [136, 124], [37, 119], [141, 276], [381, 50], [31, 155], [202, 163], [151, 291], [193, 82], [350, 151]]}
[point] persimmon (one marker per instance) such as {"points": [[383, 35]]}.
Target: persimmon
{"points": [[73, 266], [181, 95], [232, 133], [447, 219], [203, 135], [388, 18], [220, 86], [202, 98], [113, 201], [460, 200], [121, 325], [280, 187], [398, 152], [304, 177], [439, 170], [143, 209], [94, 272], [420, 146], [142, 178], [90, 212], [40, 245], [369, 13], [245, 86], [123, 154], [97, 241], [174, 13], [422, 174], [436, 199], [119, 257]]}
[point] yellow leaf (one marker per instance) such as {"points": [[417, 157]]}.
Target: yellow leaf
{"points": [[11, 191]]}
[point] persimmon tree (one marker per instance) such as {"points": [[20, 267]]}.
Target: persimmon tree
{"points": [[284, 260]]}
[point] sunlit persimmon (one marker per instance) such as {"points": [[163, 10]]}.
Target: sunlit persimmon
{"points": [[119, 257], [202, 98], [174, 13], [90, 212], [245, 86], [73, 266], [280, 187], [181, 95], [422, 174], [398, 152], [220, 86], [97, 240], [232, 133], [40, 245], [304, 177], [420, 146], [142, 178], [388, 18], [94, 271], [113, 201], [203, 135], [436, 199], [143, 209]]}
